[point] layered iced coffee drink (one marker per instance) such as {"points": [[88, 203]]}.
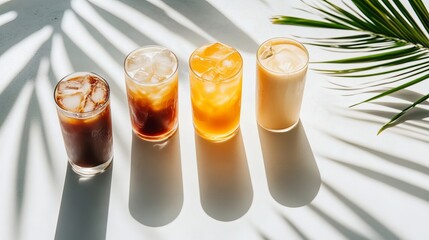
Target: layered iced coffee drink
{"points": [[152, 88], [216, 78], [83, 109], [280, 79]]}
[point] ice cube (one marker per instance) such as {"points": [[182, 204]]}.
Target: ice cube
{"points": [[221, 100], [210, 74], [227, 65], [209, 87], [217, 51], [69, 87], [277, 65], [86, 85], [156, 79], [164, 63], [72, 102], [89, 106], [164, 56], [139, 61], [286, 66], [200, 64], [142, 76], [225, 88], [164, 70], [289, 58], [99, 95], [161, 78]]}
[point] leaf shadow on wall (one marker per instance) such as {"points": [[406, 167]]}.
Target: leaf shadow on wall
{"points": [[215, 23]]}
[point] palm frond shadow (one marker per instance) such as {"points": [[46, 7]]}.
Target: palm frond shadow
{"points": [[370, 220], [415, 114], [391, 181], [410, 130], [103, 41], [337, 225], [373, 86], [122, 26], [385, 156], [355, 93], [21, 169], [265, 2], [408, 95], [36, 112], [294, 227], [214, 23], [154, 12], [33, 118], [10, 94], [30, 18], [401, 185], [261, 234]]}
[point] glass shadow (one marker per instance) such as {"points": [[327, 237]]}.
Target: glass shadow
{"points": [[156, 184], [292, 173], [84, 206], [226, 190]]}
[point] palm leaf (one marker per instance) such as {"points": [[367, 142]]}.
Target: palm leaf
{"points": [[397, 116], [387, 35]]}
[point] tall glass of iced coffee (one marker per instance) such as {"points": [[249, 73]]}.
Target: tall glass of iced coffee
{"points": [[280, 79], [83, 108], [152, 88]]}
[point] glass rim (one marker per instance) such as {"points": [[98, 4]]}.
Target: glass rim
{"points": [[230, 78], [87, 114], [150, 83], [286, 40]]}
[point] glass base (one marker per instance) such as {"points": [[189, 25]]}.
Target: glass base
{"points": [[91, 171], [216, 138], [157, 138], [280, 130]]}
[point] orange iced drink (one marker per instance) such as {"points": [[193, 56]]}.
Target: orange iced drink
{"points": [[216, 77]]}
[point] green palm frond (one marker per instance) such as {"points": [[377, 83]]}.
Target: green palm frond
{"points": [[385, 31]]}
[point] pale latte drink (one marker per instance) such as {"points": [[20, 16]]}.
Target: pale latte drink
{"points": [[280, 79]]}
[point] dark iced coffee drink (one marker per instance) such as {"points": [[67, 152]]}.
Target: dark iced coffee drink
{"points": [[152, 89], [83, 108]]}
